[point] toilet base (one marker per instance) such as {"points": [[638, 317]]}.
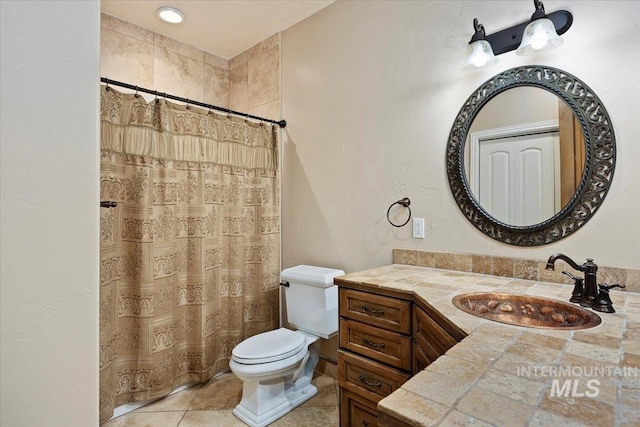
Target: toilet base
{"points": [[293, 399], [268, 397]]}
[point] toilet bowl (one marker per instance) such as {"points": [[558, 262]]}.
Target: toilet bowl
{"points": [[276, 367]]}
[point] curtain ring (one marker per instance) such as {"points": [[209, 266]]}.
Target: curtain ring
{"points": [[136, 94], [107, 88], [404, 202]]}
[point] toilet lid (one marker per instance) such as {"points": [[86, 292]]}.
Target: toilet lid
{"points": [[269, 347]]}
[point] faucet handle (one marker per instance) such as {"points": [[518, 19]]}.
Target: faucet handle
{"points": [[578, 288], [603, 302], [571, 276], [605, 288]]}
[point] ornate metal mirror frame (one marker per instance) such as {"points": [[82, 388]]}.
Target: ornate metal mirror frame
{"points": [[598, 168]]}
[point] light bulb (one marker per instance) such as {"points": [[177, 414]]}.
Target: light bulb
{"points": [[170, 14]]}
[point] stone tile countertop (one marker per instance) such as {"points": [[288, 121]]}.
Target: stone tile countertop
{"points": [[503, 375]]}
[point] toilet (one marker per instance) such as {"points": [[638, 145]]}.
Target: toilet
{"points": [[276, 367]]}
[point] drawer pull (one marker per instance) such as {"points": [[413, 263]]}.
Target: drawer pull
{"points": [[374, 311], [372, 344], [370, 384]]}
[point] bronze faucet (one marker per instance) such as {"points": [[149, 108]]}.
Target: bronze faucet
{"points": [[589, 269]]}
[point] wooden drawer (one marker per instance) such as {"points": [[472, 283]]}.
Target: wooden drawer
{"points": [[366, 378], [430, 336], [378, 344], [384, 312], [356, 411]]}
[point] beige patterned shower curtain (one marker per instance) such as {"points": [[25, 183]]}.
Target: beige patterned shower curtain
{"points": [[190, 255]]}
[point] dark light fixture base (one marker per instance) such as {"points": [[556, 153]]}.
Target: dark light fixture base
{"points": [[509, 39]]}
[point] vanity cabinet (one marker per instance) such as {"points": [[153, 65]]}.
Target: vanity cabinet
{"points": [[384, 340]]}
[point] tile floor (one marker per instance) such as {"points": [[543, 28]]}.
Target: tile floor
{"points": [[210, 405]]}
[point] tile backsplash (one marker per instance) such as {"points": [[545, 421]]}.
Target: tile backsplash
{"points": [[518, 268]]}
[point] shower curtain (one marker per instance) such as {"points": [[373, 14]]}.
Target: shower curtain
{"points": [[190, 255]]}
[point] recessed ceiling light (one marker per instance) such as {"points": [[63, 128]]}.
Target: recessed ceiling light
{"points": [[170, 14]]}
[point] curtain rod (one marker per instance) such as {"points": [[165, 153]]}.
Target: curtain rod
{"points": [[281, 123]]}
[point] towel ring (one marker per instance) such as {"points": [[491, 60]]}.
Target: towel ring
{"points": [[404, 202]]}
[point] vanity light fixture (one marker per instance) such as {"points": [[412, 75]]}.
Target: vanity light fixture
{"points": [[170, 14], [539, 34], [479, 52]]}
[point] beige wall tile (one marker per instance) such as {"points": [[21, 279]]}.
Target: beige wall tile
{"points": [[427, 259], [398, 256], [411, 257], [462, 262], [178, 47], [264, 78], [178, 75], [126, 59], [481, 264], [264, 46], [525, 269], [502, 266], [238, 89], [216, 61], [216, 86], [444, 260], [268, 111], [125, 28], [239, 59], [633, 280], [554, 275]]}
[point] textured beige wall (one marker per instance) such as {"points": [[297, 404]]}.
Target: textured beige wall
{"points": [[370, 91], [49, 213]]}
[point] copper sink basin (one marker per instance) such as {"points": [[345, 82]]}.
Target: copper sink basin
{"points": [[525, 310]]}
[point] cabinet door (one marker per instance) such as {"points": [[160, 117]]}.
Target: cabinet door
{"points": [[420, 359], [367, 378], [378, 344], [356, 411], [376, 310], [430, 336]]}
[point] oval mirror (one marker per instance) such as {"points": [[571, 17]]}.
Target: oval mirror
{"points": [[531, 155]]}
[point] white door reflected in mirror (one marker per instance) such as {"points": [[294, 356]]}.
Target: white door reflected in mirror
{"points": [[519, 178], [530, 182]]}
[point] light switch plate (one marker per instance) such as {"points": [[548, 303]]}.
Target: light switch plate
{"points": [[418, 228]]}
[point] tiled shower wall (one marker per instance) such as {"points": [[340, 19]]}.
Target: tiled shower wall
{"points": [[249, 83]]}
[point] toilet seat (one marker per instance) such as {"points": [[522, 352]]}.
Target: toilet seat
{"points": [[268, 347]]}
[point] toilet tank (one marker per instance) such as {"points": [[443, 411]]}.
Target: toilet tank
{"points": [[312, 299]]}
